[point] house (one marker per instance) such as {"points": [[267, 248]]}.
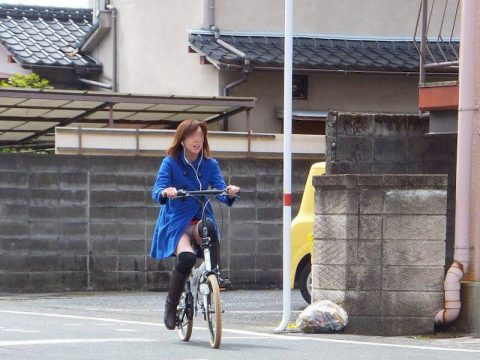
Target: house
{"points": [[348, 56], [348, 61], [46, 40]]}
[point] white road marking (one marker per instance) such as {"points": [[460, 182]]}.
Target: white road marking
{"points": [[71, 341], [252, 333], [257, 312], [21, 330], [82, 318], [125, 310], [74, 324], [226, 310], [243, 337], [126, 330]]}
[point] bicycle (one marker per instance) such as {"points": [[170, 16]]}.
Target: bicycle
{"points": [[201, 288]]}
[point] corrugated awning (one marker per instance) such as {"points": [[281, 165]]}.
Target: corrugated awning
{"points": [[29, 116]]}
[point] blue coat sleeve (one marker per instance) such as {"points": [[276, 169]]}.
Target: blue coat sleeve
{"points": [[217, 182], [163, 181]]}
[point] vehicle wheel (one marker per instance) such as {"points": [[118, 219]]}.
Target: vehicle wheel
{"points": [[184, 316], [305, 282], [213, 308]]}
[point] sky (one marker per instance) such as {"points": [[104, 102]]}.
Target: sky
{"points": [[55, 3]]}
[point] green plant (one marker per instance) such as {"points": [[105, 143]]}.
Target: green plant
{"points": [[33, 81]]}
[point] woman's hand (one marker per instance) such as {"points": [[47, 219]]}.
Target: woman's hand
{"points": [[170, 192], [232, 190]]}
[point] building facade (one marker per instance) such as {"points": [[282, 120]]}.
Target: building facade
{"points": [[159, 51]]}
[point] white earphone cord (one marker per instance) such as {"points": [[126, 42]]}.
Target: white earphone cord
{"points": [[193, 167]]}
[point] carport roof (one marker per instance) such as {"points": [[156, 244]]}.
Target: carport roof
{"points": [[29, 116]]}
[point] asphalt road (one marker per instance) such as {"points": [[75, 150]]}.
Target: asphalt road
{"points": [[128, 325]]}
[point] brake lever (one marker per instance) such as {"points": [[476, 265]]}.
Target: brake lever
{"points": [[182, 193], [225, 193]]}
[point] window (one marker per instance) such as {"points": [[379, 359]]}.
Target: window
{"points": [[300, 87], [306, 122]]}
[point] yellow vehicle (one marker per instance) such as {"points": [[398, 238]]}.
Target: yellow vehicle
{"points": [[302, 237]]}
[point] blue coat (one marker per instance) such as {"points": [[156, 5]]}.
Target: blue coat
{"points": [[175, 215]]}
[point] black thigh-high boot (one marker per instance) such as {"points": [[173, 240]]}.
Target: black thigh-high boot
{"points": [[175, 288], [215, 252], [215, 260], [186, 261], [214, 244]]}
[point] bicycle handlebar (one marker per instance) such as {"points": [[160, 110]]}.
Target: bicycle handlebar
{"points": [[213, 192]]}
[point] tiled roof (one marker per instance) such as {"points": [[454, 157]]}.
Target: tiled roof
{"points": [[316, 53], [43, 36]]}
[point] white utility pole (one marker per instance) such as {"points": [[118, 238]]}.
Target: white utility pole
{"points": [[287, 163]]}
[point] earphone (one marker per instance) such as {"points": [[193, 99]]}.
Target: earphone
{"points": [[197, 175]]}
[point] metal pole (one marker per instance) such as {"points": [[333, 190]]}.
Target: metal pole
{"points": [[287, 163], [466, 114], [249, 133], [114, 47], [468, 105], [110, 116], [95, 83], [423, 43]]}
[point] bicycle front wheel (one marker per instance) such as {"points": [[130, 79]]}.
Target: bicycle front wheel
{"points": [[213, 308], [185, 317]]}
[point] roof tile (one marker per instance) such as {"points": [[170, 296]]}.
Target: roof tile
{"points": [[320, 53], [42, 35]]}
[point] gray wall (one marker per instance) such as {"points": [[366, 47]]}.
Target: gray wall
{"points": [[379, 250], [392, 144], [78, 222], [326, 92]]}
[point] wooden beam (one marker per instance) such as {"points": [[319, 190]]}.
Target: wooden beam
{"points": [[204, 60], [438, 96]]}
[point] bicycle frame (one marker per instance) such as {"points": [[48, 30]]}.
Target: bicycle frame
{"points": [[201, 281], [206, 241]]}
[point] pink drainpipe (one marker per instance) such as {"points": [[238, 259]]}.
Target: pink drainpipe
{"points": [[466, 113]]}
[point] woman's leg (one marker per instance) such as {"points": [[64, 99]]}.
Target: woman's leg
{"points": [[214, 249], [186, 260], [184, 245], [215, 243], [196, 233]]}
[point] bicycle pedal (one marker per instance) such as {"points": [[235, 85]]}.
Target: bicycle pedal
{"points": [[224, 284]]}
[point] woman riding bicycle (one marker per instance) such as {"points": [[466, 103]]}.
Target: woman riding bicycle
{"points": [[187, 166]]}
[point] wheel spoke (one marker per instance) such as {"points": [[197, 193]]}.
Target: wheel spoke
{"points": [[213, 311], [185, 325]]}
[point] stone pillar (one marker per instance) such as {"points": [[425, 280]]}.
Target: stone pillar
{"points": [[379, 249]]}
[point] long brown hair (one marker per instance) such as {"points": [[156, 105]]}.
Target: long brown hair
{"points": [[187, 128]]}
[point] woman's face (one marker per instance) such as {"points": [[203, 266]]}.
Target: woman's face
{"points": [[194, 142]]}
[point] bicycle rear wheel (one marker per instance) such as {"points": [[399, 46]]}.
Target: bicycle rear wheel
{"points": [[213, 308], [185, 316]]}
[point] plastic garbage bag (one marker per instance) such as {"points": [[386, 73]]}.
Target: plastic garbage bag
{"points": [[322, 317]]}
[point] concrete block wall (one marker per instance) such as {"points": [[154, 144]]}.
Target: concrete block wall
{"points": [[361, 143], [379, 250], [86, 222]]}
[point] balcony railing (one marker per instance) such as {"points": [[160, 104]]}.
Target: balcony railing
{"points": [[90, 141], [437, 46]]}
